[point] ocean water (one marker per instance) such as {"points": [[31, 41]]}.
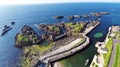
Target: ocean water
{"points": [[36, 14]]}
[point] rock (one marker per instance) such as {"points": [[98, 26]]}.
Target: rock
{"points": [[61, 25], [86, 16], [71, 17], [12, 23], [58, 17], [25, 29], [27, 37], [77, 16], [42, 26]]}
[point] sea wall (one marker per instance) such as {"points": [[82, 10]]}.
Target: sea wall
{"points": [[65, 51], [87, 30], [68, 49]]}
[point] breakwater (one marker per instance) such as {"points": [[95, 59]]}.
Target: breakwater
{"points": [[69, 49]]}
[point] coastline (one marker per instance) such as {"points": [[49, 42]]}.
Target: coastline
{"points": [[103, 44], [106, 49], [72, 51], [38, 16]]}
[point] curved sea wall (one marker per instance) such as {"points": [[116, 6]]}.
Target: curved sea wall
{"points": [[69, 49], [61, 53]]}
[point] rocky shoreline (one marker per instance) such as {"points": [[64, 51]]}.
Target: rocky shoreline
{"points": [[26, 37], [59, 37], [29, 41], [86, 16]]}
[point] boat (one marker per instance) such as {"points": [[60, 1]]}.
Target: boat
{"points": [[87, 62], [5, 30]]}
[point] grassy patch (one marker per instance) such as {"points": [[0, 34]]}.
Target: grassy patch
{"points": [[32, 50], [93, 64], [108, 54], [70, 24], [76, 28], [38, 48], [41, 48], [52, 27], [22, 38], [117, 56], [25, 39], [26, 62]]}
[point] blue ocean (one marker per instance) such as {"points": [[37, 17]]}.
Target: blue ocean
{"points": [[43, 13]]}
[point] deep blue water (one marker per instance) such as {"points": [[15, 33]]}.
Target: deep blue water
{"points": [[36, 14]]}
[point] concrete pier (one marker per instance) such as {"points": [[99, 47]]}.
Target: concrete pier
{"points": [[88, 30], [61, 53]]}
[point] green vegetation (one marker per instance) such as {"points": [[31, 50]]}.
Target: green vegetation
{"points": [[93, 64], [118, 35], [25, 39], [117, 56], [25, 62], [98, 35], [38, 48], [22, 38], [76, 28], [107, 55], [44, 48], [82, 40], [66, 64], [33, 51], [70, 24], [117, 32], [96, 65], [52, 27]]}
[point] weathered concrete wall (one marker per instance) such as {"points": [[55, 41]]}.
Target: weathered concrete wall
{"points": [[68, 49], [67, 53], [87, 30]]}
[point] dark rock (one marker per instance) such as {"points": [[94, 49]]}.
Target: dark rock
{"points": [[5, 30], [71, 17], [28, 37], [27, 28], [86, 16], [12, 23], [42, 26], [58, 17]]}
